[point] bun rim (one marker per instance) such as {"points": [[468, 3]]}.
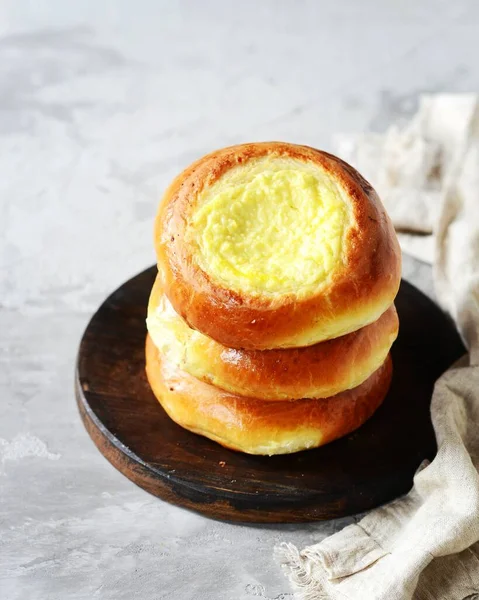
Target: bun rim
{"points": [[357, 294]]}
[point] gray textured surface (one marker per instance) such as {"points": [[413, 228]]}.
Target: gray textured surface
{"points": [[101, 103]]}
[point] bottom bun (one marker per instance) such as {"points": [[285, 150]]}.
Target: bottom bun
{"points": [[259, 426]]}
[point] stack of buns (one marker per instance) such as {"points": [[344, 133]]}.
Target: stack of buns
{"points": [[272, 315]]}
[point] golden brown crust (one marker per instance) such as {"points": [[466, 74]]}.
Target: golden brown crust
{"points": [[260, 427], [315, 371], [357, 294]]}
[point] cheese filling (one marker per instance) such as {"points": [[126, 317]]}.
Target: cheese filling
{"points": [[273, 225]]}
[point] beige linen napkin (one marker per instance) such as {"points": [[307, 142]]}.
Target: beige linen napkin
{"points": [[424, 545]]}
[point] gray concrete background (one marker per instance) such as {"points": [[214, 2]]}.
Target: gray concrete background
{"points": [[101, 104]]}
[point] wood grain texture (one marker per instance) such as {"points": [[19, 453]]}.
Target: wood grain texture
{"points": [[365, 469]]}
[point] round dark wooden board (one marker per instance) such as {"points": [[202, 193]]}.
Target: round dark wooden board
{"points": [[371, 466]]}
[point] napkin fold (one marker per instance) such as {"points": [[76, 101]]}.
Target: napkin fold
{"points": [[424, 545]]}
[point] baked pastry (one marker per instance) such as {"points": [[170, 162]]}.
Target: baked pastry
{"points": [[316, 371], [274, 245], [256, 426]]}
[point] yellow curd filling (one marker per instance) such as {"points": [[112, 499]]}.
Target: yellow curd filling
{"points": [[273, 225]]}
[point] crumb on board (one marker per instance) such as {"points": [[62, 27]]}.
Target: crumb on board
{"points": [[222, 463]]}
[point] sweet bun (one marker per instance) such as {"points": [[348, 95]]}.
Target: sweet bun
{"points": [[316, 371], [256, 426], [274, 245]]}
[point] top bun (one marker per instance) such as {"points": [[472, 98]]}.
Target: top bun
{"points": [[274, 245]]}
